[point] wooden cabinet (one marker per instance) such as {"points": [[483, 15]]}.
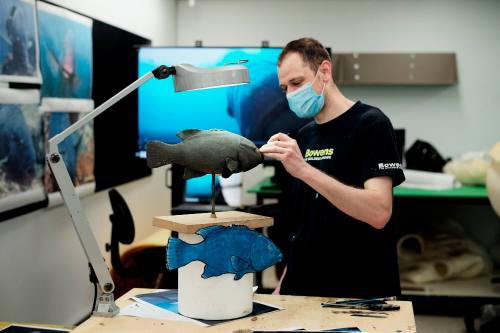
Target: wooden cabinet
{"points": [[395, 68]]}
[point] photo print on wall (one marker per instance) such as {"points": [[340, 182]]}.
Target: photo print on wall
{"points": [[65, 53], [19, 56], [21, 150], [66, 65], [77, 150]]}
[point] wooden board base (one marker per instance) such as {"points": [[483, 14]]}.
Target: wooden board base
{"points": [[191, 223]]}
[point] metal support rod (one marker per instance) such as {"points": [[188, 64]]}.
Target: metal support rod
{"points": [[105, 305], [213, 196]]}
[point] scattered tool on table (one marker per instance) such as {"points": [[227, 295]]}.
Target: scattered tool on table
{"points": [[372, 304], [371, 307]]}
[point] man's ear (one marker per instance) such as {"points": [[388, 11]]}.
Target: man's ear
{"points": [[325, 69]]}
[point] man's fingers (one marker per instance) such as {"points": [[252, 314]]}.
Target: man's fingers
{"points": [[272, 148], [279, 137], [275, 156], [274, 137], [283, 144]]}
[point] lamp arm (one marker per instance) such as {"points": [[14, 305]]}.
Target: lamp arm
{"points": [[58, 138], [105, 305], [161, 72]]}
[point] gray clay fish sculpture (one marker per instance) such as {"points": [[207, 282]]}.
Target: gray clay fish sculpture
{"points": [[236, 249], [206, 151]]}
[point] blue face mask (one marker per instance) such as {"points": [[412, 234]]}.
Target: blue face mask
{"points": [[304, 102]]}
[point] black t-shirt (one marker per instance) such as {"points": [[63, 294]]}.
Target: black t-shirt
{"points": [[331, 253]]}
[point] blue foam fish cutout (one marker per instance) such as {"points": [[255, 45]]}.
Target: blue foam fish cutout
{"points": [[237, 250]]}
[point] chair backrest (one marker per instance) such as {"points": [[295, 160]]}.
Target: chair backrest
{"points": [[122, 231], [141, 266]]}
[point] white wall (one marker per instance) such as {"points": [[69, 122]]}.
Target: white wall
{"points": [[153, 19], [454, 118], [43, 270]]}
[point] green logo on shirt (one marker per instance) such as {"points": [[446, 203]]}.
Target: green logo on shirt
{"points": [[318, 154]]}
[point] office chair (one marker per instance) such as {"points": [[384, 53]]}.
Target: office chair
{"points": [[141, 266]]}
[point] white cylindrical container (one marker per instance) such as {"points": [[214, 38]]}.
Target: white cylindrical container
{"points": [[215, 298]]}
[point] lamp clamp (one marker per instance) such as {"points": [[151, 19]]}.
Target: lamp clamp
{"points": [[162, 72]]}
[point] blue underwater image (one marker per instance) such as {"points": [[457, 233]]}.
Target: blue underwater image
{"points": [[58, 122], [65, 53], [77, 150], [168, 299], [21, 149], [256, 110]]}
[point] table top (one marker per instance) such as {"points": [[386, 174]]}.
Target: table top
{"points": [[266, 186], [300, 311]]}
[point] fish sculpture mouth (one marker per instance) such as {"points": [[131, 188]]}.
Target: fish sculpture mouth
{"points": [[261, 156]]}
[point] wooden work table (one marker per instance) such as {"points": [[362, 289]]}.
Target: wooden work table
{"points": [[299, 311]]}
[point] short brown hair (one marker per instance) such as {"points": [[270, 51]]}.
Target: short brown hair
{"points": [[313, 53]]}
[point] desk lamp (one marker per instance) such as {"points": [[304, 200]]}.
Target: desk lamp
{"points": [[186, 77]]}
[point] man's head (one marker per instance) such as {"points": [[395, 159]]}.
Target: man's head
{"points": [[301, 62], [312, 52]]}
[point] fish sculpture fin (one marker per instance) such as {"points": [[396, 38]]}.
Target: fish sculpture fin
{"points": [[231, 167], [209, 271], [239, 275], [244, 228], [203, 232], [158, 154], [185, 134], [239, 264], [225, 172], [179, 253], [190, 173], [231, 164]]}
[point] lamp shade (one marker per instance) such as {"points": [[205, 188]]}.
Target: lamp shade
{"points": [[188, 77]]}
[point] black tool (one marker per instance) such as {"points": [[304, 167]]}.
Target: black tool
{"points": [[363, 301], [363, 313], [371, 307], [367, 315]]}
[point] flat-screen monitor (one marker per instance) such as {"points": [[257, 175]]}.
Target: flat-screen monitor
{"points": [[256, 110]]}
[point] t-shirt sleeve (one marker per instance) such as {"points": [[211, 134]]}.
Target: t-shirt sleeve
{"points": [[380, 156]]}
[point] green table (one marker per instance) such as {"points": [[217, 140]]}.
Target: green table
{"points": [[459, 192], [267, 189]]}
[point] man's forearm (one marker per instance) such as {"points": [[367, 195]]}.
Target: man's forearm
{"points": [[368, 205]]}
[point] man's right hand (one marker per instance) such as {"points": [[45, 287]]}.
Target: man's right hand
{"points": [[285, 149]]}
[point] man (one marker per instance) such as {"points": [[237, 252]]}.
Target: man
{"points": [[345, 163]]}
